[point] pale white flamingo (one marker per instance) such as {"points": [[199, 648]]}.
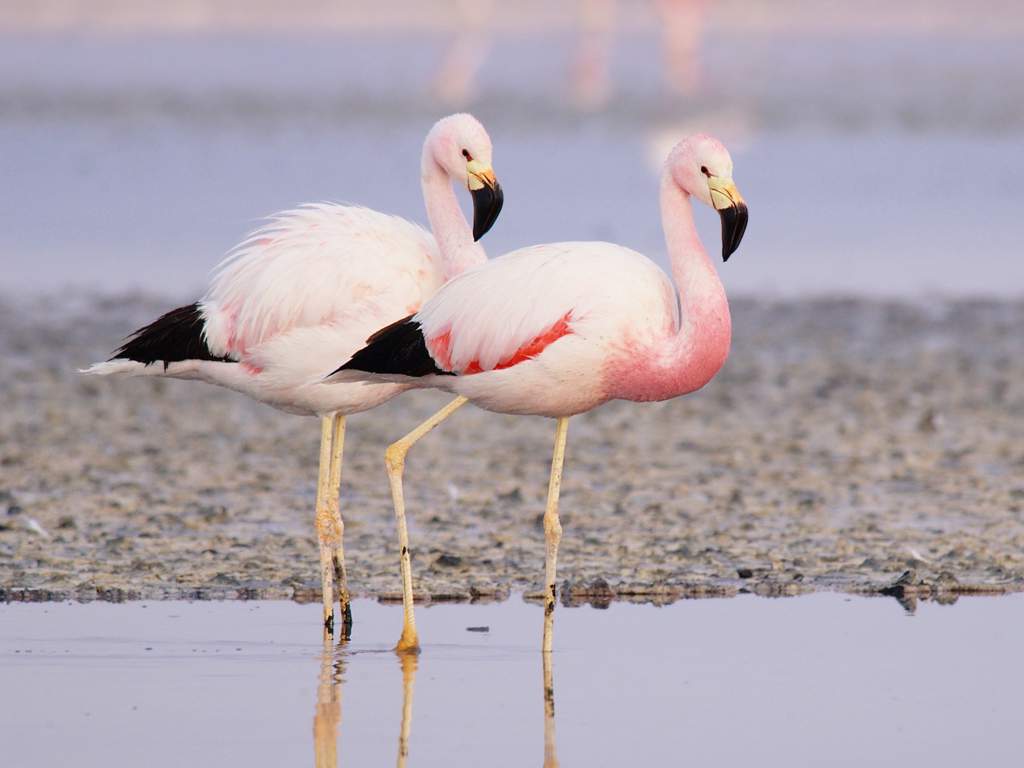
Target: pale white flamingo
{"points": [[590, 70], [682, 27], [315, 282], [456, 78], [558, 329]]}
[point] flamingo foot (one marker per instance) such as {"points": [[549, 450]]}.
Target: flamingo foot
{"points": [[327, 589], [344, 596], [346, 618], [409, 642]]}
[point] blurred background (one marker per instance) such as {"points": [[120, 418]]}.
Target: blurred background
{"points": [[878, 143]]}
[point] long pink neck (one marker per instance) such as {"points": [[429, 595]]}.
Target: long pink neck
{"points": [[688, 358], [454, 238]]}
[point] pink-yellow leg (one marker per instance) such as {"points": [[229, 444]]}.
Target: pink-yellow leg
{"points": [[394, 459], [553, 530], [338, 532], [327, 530]]}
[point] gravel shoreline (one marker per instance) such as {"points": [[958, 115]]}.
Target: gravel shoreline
{"points": [[847, 445]]}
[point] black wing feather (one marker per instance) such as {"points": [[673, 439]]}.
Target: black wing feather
{"points": [[171, 338], [398, 348]]}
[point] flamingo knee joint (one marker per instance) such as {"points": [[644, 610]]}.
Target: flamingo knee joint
{"points": [[394, 457]]}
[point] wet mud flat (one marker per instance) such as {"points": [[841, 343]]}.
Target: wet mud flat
{"points": [[822, 679], [847, 445]]}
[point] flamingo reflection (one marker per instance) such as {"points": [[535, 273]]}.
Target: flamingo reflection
{"points": [[409, 663], [550, 750], [327, 715]]}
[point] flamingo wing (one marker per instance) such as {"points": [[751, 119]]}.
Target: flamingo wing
{"points": [[505, 312], [490, 318], [314, 266]]}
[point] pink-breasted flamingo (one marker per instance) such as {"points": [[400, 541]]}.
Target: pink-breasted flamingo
{"points": [[311, 284], [558, 329]]}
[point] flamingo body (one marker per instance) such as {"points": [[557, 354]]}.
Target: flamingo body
{"points": [[311, 282], [573, 325], [599, 293]]}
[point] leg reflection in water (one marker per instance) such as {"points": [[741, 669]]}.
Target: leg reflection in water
{"points": [[327, 715], [550, 751], [409, 663]]}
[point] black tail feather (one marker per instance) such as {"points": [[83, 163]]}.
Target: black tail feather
{"points": [[398, 348], [175, 336]]}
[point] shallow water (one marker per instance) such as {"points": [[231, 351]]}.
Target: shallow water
{"points": [[821, 679]]}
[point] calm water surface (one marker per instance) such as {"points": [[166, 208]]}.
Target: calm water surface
{"points": [[822, 679]]}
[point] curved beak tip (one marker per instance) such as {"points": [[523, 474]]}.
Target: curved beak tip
{"points": [[734, 224], [487, 203]]}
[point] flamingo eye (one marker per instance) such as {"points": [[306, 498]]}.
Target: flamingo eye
{"points": [[705, 171], [465, 154]]}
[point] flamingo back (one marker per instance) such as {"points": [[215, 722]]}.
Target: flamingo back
{"points": [[317, 266], [514, 307]]}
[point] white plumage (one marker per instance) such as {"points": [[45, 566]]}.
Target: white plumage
{"points": [[310, 284], [310, 266], [539, 285], [600, 293]]}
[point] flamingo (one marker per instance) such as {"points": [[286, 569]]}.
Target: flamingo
{"points": [[315, 281], [558, 329]]}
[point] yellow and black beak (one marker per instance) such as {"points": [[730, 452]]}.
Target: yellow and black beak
{"points": [[487, 197], [733, 209]]}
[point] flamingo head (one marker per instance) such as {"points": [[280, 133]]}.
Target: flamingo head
{"points": [[460, 146], [701, 166]]}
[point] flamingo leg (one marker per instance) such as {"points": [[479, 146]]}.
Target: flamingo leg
{"points": [[338, 532], [409, 664], [394, 459], [326, 530], [553, 529]]}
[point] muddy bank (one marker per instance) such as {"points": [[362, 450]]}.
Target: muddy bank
{"points": [[844, 444]]}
